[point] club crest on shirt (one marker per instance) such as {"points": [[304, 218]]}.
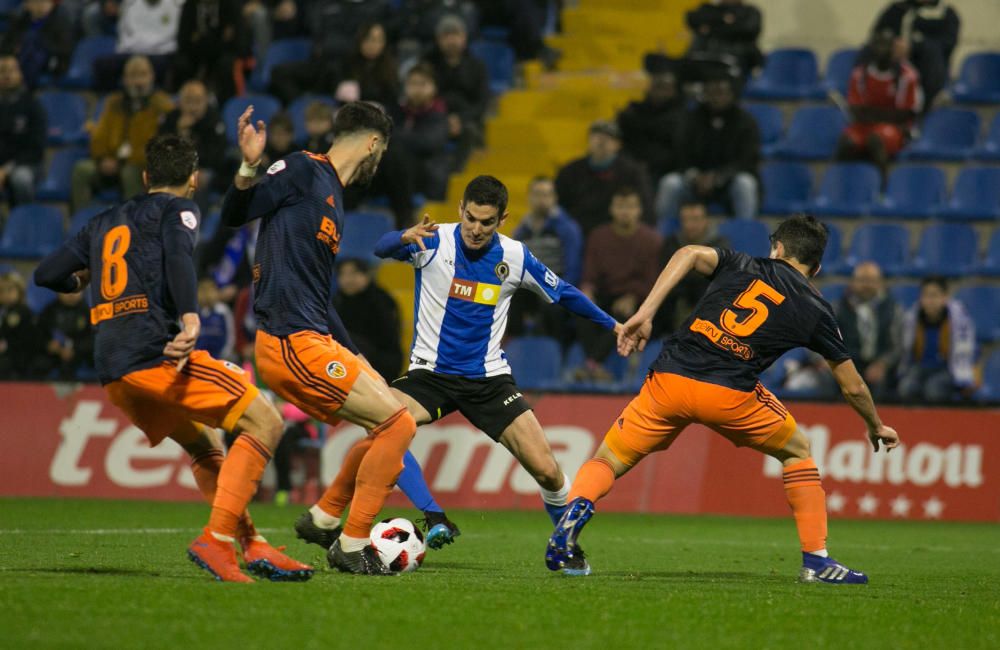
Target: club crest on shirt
{"points": [[232, 366], [276, 167], [189, 220], [502, 271], [336, 370]]}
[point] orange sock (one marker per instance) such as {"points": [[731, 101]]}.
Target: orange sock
{"points": [[206, 467], [593, 481], [237, 483], [808, 501], [379, 470], [341, 490]]}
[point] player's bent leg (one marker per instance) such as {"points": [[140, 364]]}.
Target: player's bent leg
{"points": [[415, 408]]}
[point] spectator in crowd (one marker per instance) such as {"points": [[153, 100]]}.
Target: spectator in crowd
{"points": [[585, 185], [18, 336], [118, 141], [147, 28], [421, 132], [209, 41], [370, 316], [525, 22], [100, 17], [41, 36], [726, 32], [885, 97], [22, 134], [650, 127], [557, 241], [218, 335], [319, 127], [870, 322], [619, 269], [299, 427], [939, 344], [370, 72], [696, 229], [463, 83], [415, 22], [280, 138], [65, 325], [717, 157], [196, 119], [926, 33]]}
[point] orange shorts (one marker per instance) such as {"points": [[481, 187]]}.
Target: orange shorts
{"points": [[308, 369], [667, 403], [160, 400]]}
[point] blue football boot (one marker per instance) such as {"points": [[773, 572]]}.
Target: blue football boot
{"points": [[826, 569], [440, 529], [562, 552]]}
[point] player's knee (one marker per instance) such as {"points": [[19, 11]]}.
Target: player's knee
{"points": [[263, 422], [547, 474]]}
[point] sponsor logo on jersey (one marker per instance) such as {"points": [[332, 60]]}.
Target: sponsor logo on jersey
{"points": [[510, 400], [276, 167], [336, 370], [189, 220], [721, 339], [328, 235], [551, 279], [502, 270], [121, 307], [477, 292]]}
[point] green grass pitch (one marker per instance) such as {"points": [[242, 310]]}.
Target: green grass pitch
{"points": [[68, 579]]}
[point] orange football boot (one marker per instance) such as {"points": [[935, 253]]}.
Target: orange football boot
{"points": [[269, 562], [216, 557]]}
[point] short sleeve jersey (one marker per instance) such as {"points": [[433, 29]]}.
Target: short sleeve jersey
{"points": [[132, 309], [754, 310]]}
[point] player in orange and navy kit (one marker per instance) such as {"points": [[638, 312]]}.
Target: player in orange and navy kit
{"points": [[139, 254], [754, 310], [300, 206]]}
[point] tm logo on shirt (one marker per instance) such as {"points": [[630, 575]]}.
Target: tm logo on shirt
{"points": [[477, 292]]}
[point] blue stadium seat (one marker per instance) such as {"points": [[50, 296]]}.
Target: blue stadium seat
{"points": [[80, 73], [32, 231], [59, 175], [990, 389], [361, 231], [297, 112], [618, 367], [945, 134], [906, 294], [983, 304], [499, 60], [989, 148], [750, 237], [913, 192], [947, 249], [535, 360], [788, 74], [832, 262], [39, 297], [886, 244], [991, 261], [209, 226], [834, 292], [979, 79], [812, 135], [775, 375], [637, 377], [847, 189], [264, 108], [769, 122], [838, 70], [787, 186], [66, 114], [285, 50], [82, 216], [976, 195]]}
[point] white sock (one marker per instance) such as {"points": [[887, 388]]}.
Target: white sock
{"points": [[323, 520], [822, 553], [352, 544], [557, 498], [224, 538]]}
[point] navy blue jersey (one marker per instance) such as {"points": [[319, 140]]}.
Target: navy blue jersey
{"points": [[128, 249], [300, 205], [754, 310]]}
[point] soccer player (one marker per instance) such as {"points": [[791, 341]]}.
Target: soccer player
{"points": [[300, 204], [754, 310], [466, 275], [140, 256]]}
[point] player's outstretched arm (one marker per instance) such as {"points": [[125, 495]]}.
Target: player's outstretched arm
{"points": [[398, 244], [856, 392]]}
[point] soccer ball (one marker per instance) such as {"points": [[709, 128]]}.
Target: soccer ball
{"points": [[399, 543]]}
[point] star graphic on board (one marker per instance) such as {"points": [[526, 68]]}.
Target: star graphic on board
{"points": [[868, 504], [901, 506], [933, 508], [836, 502]]}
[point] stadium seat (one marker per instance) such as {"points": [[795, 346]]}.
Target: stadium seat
{"points": [[989, 148], [991, 261], [264, 108], [983, 304], [774, 376], [361, 231], [906, 294], [979, 79], [499, 60], [834, 292], [39, 297], [812, 135], [535, 360], [947, 249], [297, 112], [637, 375], [945, 134], [66, 114], [838, 70], [788, 74], [769, 122], [787, 186], [82, 216], [617, 366], [209, 226], [832, 262], [886, 244], [285, 50], [847, 189], [976, 195], [59, 175], [32, 231], [80, 73], [913, 192], [990, 389], [750, 237]]}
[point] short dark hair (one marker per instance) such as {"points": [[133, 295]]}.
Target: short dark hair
{"points": [[693, 203], [486, 190], [940, 281], [541, 178], [625, 191], [359, 264], [170, 160], [804, 239], [283, 120], [357, 117], [424, 70]]}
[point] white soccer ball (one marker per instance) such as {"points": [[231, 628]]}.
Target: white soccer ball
{"points": [[399, 543]]}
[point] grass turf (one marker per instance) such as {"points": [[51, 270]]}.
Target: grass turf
{"points": [[67, 579]]}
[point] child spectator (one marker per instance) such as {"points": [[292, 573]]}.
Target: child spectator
{"points": [[370, 316], [18, 336], [218, 336], [422, 131], [65, 324], [319, 127]]}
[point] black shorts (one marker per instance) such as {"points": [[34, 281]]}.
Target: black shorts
{"points": [[489, 403]]}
